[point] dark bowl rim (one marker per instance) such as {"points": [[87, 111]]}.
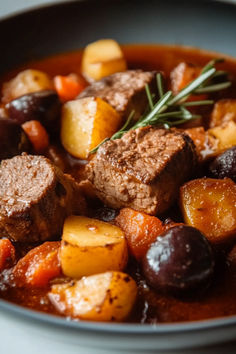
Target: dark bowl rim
{"points": [[116, 328], [107, 327], [35, 8]]}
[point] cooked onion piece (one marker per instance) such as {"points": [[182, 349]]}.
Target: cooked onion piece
{"points": [[225, 136], [224, 111], [25, 82]]}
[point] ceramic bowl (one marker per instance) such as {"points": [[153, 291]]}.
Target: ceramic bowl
{"points": [[71, 25]]}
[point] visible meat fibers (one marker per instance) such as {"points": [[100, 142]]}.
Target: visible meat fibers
{"points": [[35, 198], [143, 170]]}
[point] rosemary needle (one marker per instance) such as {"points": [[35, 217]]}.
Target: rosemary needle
{"points": [[149, 97], [160, 85]]}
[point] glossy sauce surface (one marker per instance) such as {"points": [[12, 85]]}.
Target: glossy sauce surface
{"points": [[152, 307]]}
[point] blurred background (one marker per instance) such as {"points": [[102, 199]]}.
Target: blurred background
{"points": [[9, 6]]}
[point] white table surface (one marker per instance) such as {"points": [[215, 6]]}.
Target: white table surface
{"points": [[7, 344]]}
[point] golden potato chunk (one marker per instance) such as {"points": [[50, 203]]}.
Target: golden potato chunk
{"points": [[86, 122], [102, 58], [25, 82], [210, 206], [225, 136], [91, 246], [108, 296], [224, 111]]}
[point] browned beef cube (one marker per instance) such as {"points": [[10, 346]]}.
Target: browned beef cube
{"points": [[125, 91], [35, 198], [143, 170]]}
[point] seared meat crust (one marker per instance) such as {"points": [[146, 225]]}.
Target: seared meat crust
{"points": [[35, 198], [143, 170], [124, 91]]}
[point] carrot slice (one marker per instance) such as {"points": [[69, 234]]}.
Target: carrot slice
{"points": [[182, 75], [140, 230], [38, 266], [37, 134], [7, 254], [68, 87]]}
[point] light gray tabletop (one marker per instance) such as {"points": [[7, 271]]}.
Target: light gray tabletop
{"points": [[8, 7]]}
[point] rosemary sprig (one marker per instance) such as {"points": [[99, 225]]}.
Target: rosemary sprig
{"points": [[211, 64], [171, 110], [150, 118]]}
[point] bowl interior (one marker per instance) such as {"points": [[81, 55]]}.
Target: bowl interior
{"points": [[69, 26]]}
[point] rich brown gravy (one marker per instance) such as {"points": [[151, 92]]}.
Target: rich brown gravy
{"points": [[220, 298]]}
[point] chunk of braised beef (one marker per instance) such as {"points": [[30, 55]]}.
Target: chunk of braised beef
{"points": [[35, 199], [143, 170], [13, 140]]}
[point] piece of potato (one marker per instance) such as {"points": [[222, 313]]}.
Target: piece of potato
{"points": [[213, 141], [206, 145], [140, 230], [102, 58], [210, 206], [224, 111], [108, 296], [86, 122], [91, 246], [25, 82], [225, 135]]}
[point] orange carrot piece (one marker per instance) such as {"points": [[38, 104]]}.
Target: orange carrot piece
{"points": [[7, 254], [68, 87], [140, 230], [182, 75], [38, 266], [37, 134]]}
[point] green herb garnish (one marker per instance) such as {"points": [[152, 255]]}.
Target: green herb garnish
{"points": [[171, 110]]}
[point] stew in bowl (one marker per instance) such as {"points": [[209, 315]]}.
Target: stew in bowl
{"points": [[118, 195]]}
